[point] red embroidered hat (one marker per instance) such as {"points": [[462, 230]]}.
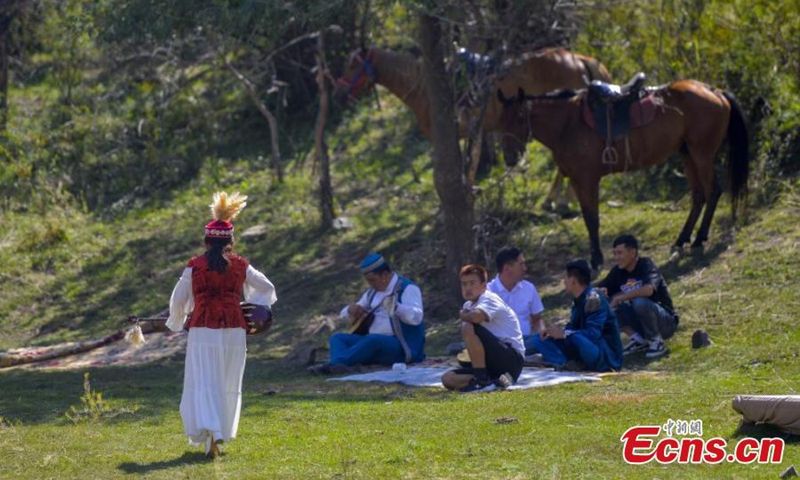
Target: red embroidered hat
{"points": [[224, 208], [219, 229]]}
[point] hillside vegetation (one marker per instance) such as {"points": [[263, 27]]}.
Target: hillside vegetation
{"points": [[123, 119]]}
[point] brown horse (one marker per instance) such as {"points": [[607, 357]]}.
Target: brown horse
{"points": [[693, 120], [536, 72]]}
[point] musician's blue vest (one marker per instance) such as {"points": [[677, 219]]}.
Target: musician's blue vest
{"points": [[412, 337]]}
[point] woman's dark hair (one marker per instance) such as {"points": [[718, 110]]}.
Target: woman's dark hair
{"points": [[217, 253]]}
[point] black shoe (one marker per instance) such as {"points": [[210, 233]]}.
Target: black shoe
{"points": [[571, 366], [328, 369], [321, 369], [537, 360], [700, 339], [479, 385]]}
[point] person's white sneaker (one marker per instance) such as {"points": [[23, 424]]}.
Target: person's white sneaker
{"points": [[504, 381], [656, 349], [634, 346]]}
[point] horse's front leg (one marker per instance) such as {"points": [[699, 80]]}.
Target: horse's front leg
{"points": [[588, 192], [698, 199]]}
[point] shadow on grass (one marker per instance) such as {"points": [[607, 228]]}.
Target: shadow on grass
{"points": [[764, 430], [187, 458], [43, 396], [638, 362], [695, 259]]}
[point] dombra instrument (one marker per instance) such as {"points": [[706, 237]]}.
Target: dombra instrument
{"points": [[360, 325], [258, 317]]}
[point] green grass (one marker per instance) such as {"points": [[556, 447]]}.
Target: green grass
{"points": [[73, 274]]}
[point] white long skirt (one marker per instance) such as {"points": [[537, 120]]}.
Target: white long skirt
{"points": [[212, 383]]}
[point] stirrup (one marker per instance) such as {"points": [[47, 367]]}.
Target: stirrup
{"points": [[610, 156]]}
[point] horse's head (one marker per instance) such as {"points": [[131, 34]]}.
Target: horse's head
{"points": [[515, 126], [359, 76]]}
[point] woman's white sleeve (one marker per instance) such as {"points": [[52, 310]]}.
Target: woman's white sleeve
{"points": [[258, 289], [181, 303]]}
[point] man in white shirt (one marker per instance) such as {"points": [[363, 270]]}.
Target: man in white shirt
{"points": [[391, 318], [491, 331], [518, 293]]}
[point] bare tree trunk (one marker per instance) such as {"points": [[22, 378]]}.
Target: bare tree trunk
{"points": [[321, 149], [475, 144], [277, 163], [452, 186]]}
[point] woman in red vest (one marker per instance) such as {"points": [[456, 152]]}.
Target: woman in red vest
{"points": [[208, 293]]}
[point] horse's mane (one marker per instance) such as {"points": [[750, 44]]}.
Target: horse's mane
{"points": [[556, 95], [519, 59]]}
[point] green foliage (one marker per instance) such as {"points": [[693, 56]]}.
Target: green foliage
{"points": [[93, 407], [71, 29], [129, 100], [750, 48]]}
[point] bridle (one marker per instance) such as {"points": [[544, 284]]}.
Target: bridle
{"points": [[356, 84]]}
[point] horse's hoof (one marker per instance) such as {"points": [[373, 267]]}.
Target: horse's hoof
{"points": [[548, 207], [677, 253], [698, 249]]}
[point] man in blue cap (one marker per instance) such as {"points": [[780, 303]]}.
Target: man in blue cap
{"points": [[386, 322]]}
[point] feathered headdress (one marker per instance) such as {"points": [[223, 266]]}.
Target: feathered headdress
{"points": [[224, 208]]}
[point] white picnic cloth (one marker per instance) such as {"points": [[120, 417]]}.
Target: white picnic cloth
{"points": [[432, 377]]}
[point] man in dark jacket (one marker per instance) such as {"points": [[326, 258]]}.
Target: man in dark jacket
{"points": [[592, 335], [640, 298]]}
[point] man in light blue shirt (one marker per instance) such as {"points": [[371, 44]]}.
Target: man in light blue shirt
{"points": [[518, 293]]}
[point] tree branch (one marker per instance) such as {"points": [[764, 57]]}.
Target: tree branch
{"points": [[262, 108]]}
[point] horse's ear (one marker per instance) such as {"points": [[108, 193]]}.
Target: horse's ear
{"points": [[520, 94]]}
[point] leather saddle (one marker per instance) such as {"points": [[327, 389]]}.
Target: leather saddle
{"points": [[609, 92], [614, 110]]}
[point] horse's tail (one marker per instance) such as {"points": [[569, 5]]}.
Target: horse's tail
{"points": [[738, 154]]}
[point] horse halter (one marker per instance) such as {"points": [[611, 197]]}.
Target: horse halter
{"points": [[355, 84]]}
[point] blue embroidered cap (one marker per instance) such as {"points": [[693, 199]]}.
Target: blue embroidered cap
{"points": [[371, 263]]}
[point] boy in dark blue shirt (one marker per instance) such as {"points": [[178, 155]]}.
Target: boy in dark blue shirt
{"points": [[592, 335]]}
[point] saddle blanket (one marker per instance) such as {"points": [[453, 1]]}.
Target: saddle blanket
{"points": [[625, 115], [432, 376]]}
